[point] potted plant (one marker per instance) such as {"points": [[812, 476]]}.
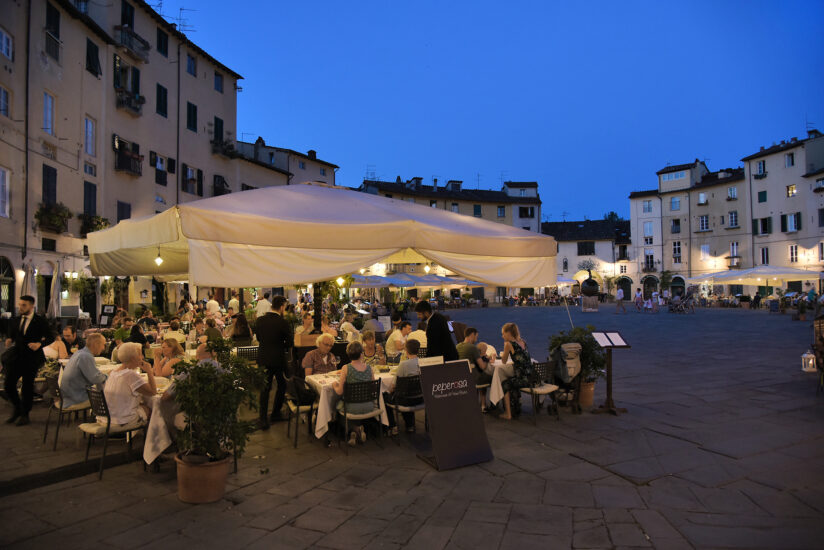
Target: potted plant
{"points": [[89, 223], [53, 217], [802, 309], [593, 359], [209, 393]]}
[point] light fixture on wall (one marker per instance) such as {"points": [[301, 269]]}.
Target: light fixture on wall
{"points": [[427, 268], [74, 274], [362, 271]]}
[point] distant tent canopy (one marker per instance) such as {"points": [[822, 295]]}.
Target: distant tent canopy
{"points": [[302, 233]]}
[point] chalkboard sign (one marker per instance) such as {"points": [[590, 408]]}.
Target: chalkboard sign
{"points": [[456, 426]]}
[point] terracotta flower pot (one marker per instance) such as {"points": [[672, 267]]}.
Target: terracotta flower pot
{"points": [[201, 483], [587, 397]]}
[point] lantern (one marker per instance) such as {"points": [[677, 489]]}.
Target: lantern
{"points": [[808, 362]]}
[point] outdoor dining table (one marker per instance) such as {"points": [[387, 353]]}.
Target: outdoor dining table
{"points": [[500, 373], [328, 399]]}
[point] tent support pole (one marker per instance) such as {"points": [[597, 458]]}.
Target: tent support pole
{"points": [[318, 302]]}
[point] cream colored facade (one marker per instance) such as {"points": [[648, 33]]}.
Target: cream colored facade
{"points": [[126, 117], [300, 167]]}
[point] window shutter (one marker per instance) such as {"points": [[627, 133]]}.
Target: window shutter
{"points": [[183, 170], [769, 224], [135, 81], [797, 221], [755, 227], [153, 158], [170, 165], [200, 183], [783, 223], [135, 148]]}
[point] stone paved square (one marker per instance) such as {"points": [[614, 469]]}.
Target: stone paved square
{"points": [[719, 449]]}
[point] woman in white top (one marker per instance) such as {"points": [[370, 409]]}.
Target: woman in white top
{"points": [[352, 334], [125, 386], [56, 350]]}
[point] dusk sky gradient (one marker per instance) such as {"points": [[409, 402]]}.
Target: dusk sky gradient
{"points": [[588, 99]]}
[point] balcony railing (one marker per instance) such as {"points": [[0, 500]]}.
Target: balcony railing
{"points": [[648, 269], [623, 257], [760, 176], [134, 44], [131, 102], [126, 161]]}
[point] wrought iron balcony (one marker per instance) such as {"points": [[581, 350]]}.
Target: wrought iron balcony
{"points": [[623, 257], [224, 148], [130, 102], [126, 161], [134, 44], [53, 46], [648, 269], [760, 176]]}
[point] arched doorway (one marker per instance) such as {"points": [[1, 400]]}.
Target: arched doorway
{"points": [[650, 284], [677, 286], [582, 276], [6, 285], [625, 284]]}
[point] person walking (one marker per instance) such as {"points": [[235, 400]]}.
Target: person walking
{"points": [[28, 333], [275, 337], [439, 340], [619, 301], [639, 300]]}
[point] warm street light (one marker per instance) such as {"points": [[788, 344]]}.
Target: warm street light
{"points": [[158, 260], [340, 281], [427, 268], [362, 271]]}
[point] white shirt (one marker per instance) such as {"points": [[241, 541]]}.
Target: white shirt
{"points": [[234, 304], [395, 343], [121, 395], [419, 335], [212, 306], [263, 307], [352, 334], [620, 294]]}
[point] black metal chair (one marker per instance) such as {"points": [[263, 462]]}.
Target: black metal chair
{"points": [[407, 388], [539, 386], [360, 392], [298, 393], [95, 429], [250, 353], [57, 403], [422, 352]]}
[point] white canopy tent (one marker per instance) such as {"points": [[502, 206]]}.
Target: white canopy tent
{"points": [[295, 234], [765, 275]]}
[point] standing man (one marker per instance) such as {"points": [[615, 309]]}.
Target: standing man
{"points": [[275, 336], [263, 306], [28, 333], [619, 301], [212, 306], [234, 303], [438, 338]]}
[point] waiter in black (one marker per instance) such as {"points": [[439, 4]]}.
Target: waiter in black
{"points": [[28, 333], [275, 337], [438, 337]]}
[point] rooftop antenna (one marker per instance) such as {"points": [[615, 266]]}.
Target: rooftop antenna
{"points": [[503, 176], [807, 124], [244, 134], [370, 172], [478, 180], [158, 7], [183, 24], [564, 215]]}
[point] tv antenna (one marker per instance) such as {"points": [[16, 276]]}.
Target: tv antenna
{"points": [[244, 134], [503, 175], [807, 124], [564, 215], [370, 172], [478, 180], [183, 24]]}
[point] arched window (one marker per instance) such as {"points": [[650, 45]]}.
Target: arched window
{"points": [[566, 265]]}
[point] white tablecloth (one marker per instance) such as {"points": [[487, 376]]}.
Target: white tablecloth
{"points": [[322, 384], [501, 373]]}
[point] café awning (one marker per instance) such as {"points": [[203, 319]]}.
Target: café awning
{"points": [[302, 233], [766, 275]]}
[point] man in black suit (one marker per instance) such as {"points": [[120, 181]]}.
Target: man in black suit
{"points": [[275, 337], [438, 338], [28, 332]]}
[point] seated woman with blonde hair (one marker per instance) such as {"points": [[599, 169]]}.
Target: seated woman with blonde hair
{"points": [[125, 386], [171, 353]]}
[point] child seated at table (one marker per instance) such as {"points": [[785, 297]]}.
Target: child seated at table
{"points": [[409, 367]]}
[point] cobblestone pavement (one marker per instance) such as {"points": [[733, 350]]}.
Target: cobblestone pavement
{"points": [[721, 448]]}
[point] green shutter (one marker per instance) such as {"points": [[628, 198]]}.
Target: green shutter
{"points": [[200, 183], [783, 223], [117, 66], [183, 170], [798, 221], [135, 81], [755, 227], [769, 224], [170, 165]]}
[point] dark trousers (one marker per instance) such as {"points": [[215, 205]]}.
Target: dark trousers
{"points": [[27, 371], [408, 417], [275, 371]]}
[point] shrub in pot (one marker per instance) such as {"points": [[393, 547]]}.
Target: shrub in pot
{"points": [[209, 393], [593, 358]]}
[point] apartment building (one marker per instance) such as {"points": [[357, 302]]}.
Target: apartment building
{"points": [[300, 167], [768, 212], [786, 183], [516, 203], [607, 243], [110, 113]]}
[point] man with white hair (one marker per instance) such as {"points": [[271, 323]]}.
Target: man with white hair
{"points": [[320, 360], [82, 371]]}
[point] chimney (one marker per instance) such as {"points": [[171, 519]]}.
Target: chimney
{"points": [[762, 147], [435, 184], [811, 134], [312, 154], [793, 139]]}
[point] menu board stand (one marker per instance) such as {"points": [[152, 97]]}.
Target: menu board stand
{"points": [[456, 427], [610, 341]]}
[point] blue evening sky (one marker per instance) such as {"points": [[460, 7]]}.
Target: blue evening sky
{"points": [[587, 98]]}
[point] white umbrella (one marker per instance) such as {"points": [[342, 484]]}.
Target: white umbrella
{"points": [[55, 299], [706, 277], [764, 275], [28, 288], [564, 281]]}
